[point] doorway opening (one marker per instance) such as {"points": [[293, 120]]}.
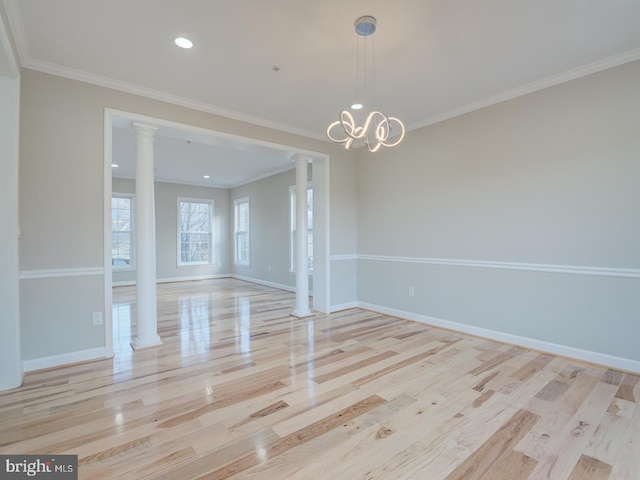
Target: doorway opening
{"points": [[172, 134]]}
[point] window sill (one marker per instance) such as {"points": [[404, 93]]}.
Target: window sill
{"points": [[196, 264]]}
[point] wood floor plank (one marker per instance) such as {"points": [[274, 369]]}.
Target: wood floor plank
{"points": [[365, 454], [489, 457], [463, 428], [224, 456], [240, 389], [622, 408], [589, 468], [402, 363], [565, 451], [555, 415], [627, 464], [627, 387], [512, 465], [537, 364], [323, 451], [297, 438], [608, 438], [497, 360], [354, 366]]}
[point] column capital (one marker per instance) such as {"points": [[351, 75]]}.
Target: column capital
{"points": [[144, 129], [300, 159]]}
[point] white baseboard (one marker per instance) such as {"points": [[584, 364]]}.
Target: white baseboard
{"points": [[130, 283], [604, 359], [64, 359], [193, 278], [619, 363], [265, 283], [343, 306]]}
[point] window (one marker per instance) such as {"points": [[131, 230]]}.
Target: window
{"points": [[241, 231], [194, 231], [292, 236], [121, 231]]}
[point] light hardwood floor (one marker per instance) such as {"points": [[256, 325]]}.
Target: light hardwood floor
{"points": [[239, 389]]}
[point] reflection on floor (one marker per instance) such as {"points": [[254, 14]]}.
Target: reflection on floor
{"points": [[240, 389]]}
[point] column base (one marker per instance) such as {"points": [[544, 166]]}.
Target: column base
{"points": [[138, 344], [298, 314]]}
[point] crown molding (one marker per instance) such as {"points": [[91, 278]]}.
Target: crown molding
{"points": [[17, 29], [7, 46], [86, 77], [553, 80], [263, 176]]}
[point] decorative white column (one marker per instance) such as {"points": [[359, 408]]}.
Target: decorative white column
{"points": [[301, 242], [145, 233]]}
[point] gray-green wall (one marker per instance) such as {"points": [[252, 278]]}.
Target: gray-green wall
{"points": [[269, 229], [521, 218], [166, 205]]}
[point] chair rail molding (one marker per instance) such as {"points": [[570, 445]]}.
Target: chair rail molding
{"points": [[532, 267], [60, 272]]}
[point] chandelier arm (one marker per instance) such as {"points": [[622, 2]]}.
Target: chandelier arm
{"points": [[331, 127], [375, 148], [382, 128], [349, 126], [400, 137]]}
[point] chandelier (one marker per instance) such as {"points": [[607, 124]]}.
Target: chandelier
{"points": [[378, 130]]}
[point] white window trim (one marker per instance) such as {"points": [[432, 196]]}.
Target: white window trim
{"points": [[236, 203], [178, 232], [292, 220], [132, 264]]}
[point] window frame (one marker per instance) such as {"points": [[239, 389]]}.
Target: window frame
{"points": [[292, 227], [131, 231], [210, 260], [237, 232]]}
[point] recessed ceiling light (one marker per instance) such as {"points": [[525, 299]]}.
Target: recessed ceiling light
{"points": [[206, 176], [114, 165], [356, 106], [183, 42]]}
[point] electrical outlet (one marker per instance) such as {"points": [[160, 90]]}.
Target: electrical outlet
{"points": [[97, 318], [269, 267], [412, 292]]}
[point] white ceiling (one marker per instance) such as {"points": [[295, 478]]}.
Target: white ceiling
{"points": [[434, 58], [183, 156]]}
